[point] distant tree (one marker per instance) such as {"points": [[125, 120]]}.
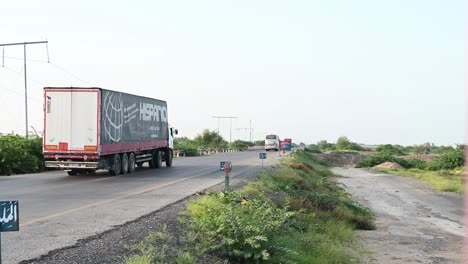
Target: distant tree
{"points": [[210, 139], [259, 143], [241, 144], [324, 145], [425, 148], [389, 149], [343, 143], [442, 149], [461, 147]]}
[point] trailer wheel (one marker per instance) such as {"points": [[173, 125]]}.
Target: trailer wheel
{"points": [[131, 163], [116, 166], [169, 158], [124, 163]]}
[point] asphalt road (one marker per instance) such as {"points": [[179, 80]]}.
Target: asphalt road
{"points": [[56, 210], [414, 223]]}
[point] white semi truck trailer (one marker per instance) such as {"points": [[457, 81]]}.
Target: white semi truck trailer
{"points": [[86, 129]]}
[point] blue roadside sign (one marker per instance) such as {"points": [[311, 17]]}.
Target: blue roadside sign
{"points": [[9, 216], [262, 155]]}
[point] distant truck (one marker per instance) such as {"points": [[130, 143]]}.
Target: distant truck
{"points": [[86, 129], [272, 142], [286, 144]]}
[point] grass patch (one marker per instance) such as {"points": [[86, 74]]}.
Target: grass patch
{"points": [[295, 214], [154, 249], [441, 180]]}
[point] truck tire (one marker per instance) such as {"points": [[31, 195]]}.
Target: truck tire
{"points": [[131, 163], [159, 156], [124, 163], [151, 161], [156, 160], [72, 172], [116, 166], [169, 158]]}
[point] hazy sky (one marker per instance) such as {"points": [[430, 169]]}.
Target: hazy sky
{"points": [[383, 71]]}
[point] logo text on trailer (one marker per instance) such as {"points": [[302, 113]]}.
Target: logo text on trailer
{"points": [[153, 112]]}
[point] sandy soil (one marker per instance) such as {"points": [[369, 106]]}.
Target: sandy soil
{"points": [[414, 223]]}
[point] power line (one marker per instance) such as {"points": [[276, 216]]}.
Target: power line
{"points": [[71, 74], [20, 73], [226, 117], [25, 75], [18, 58]]}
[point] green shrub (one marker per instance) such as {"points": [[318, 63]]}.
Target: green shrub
{"points": [[418, 164], [234, 227], [20, 155], [389, 149], [344, 152], [241, 144], [343, 143], [312, 149], [449, 160], [379, 159]]}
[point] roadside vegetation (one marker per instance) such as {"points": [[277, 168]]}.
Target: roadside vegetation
{"points": [[294, 214], [441, 180], [19, 154], [342, 146], [441, 166], [444, 172], [208, 140]]}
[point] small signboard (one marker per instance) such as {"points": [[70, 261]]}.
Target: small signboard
{"points": [[221, 165], [262, 155], [9, 216]]}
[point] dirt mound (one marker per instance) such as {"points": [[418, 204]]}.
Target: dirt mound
{"points": [[389, 165], [297, 166]]}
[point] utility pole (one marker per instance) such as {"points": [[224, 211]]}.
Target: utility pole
{"points": [[250, 130], [244, 128], [25, 75], [230, 130]]}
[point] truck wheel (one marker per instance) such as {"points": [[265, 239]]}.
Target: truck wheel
{"points": [[151, 162], [131, 163], [159, 156], [72, 172], [169, 158], [156, 161], [124, 163], [139, 164], [116, 166]]}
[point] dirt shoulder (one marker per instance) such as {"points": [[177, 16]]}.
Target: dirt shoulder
{"points": [[414, 223]]}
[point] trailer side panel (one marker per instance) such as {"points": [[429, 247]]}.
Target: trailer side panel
{"points": [[132, 123]]}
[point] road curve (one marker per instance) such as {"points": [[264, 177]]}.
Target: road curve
{"points": [[56, 210]]}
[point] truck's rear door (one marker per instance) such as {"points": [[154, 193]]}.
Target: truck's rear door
{"points": [[71, 120]]}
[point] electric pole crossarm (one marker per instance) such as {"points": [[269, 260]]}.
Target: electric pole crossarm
{"points": [[23, 43]]}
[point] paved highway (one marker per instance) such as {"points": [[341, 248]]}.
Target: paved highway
{"points": [[56, 210]]}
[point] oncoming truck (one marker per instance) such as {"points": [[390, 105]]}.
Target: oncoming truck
{"points": [[86, 129]]}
